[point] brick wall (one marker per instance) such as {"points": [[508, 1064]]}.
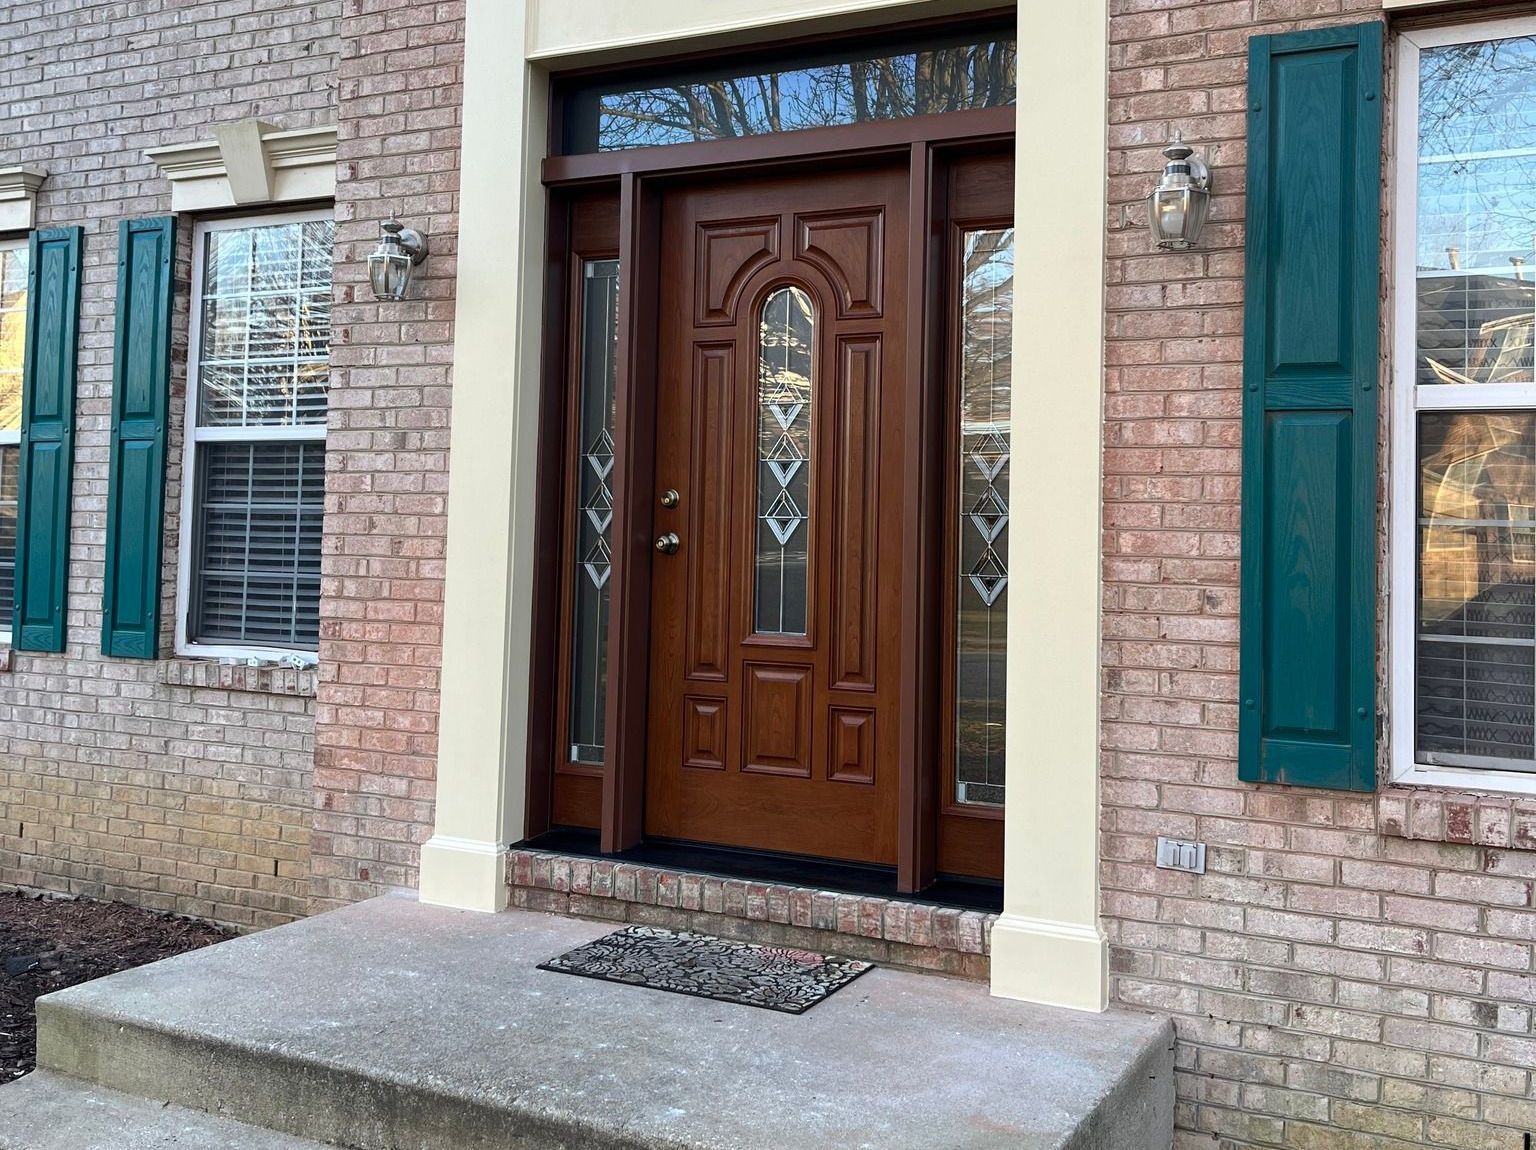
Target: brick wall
{"points": [[387, 460], [175, 785], [1351, 971]]}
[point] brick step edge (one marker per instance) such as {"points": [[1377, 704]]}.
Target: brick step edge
{"points": [[921, 936]]}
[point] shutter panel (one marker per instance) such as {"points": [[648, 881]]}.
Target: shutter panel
{"points": [[47, 439], [1310, 376], [136, 480]]}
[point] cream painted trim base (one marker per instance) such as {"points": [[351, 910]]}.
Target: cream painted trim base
{"points": [[249, 162], [463, 873], [18, 197], [1052, 963]]}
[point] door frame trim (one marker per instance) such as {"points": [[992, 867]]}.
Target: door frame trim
{"points": [[641, 175]]}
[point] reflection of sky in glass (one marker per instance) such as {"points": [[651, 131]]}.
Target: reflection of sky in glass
{"points": [[1476, 252], [1477, 155], [940, 79], [13, 327]]}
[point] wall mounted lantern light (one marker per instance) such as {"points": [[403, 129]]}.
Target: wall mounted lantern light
{"points": [[392, 262], [1177, 208]]}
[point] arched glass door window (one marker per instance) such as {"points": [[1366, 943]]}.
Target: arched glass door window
{"points": [[786, 342]]}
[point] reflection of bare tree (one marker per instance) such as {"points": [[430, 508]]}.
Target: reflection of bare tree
{"points": [[944, 79], [1477, 136]]}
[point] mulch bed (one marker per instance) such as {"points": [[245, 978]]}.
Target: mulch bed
{"points": [[47, 944]]}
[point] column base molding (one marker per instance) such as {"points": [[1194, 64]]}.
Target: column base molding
{"points": [[1051, 963], [468, 874]]}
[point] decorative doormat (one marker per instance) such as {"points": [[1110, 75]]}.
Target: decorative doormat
{"points": [[773, 977]]}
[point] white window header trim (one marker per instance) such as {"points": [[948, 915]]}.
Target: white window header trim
{"points": [[250, 163]]}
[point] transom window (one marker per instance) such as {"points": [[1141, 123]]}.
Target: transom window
{"points": [[1464, 492], [819, 89], [255, 468], [13, 340]]}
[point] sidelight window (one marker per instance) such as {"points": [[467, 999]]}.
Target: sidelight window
{"points": [[255, 468], [13, 333], [981, 593], [1465, 419], [598, 365], [786, 339]]}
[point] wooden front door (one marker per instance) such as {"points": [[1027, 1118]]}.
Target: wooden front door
{"points": [[776, 610]]}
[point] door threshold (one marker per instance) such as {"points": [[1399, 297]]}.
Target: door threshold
{"points": [[780, 869]]}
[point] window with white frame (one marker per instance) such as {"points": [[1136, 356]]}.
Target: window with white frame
{"points": [[254, 476], [13, 343], [1464, 436]]}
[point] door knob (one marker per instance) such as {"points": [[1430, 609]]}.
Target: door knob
{"points": [[670, 497], [667, 544]]}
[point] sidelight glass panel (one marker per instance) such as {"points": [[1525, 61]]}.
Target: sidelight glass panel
{"points": [[1476, 249], [786, 339], [981, 623], [598, 365], [1475, 672], [816, 90]]}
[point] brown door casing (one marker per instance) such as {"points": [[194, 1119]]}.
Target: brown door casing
{"points": [[773, 741]]}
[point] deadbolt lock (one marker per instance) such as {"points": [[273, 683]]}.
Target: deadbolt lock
{"points": [[670, 497], [667, 544]]}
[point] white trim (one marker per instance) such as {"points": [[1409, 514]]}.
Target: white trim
{"points": [[1409, 397], [469, 874], [192, 435], [249, 163], [18, 197]]}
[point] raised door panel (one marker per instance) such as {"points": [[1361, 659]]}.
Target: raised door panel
{"points": [[709, 511], [726, 253], [848, 247], [776, 720], [856, 510]]}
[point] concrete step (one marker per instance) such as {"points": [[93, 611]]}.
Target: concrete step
{"points": [[395, 1026], [46, 1111]]}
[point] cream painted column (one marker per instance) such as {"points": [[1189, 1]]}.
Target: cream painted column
{"points": [[487, 623], [1047, 946]]}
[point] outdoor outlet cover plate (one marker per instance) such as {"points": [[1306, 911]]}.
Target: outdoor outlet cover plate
{"points": [[1177, 854]]}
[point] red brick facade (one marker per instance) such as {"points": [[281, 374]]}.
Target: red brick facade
{"points": [[387, 466], [174, 784], [1345, 974]]}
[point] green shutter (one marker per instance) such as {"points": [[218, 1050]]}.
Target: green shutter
{"points": [[1310, 382], [130, 623], [47, 439]]}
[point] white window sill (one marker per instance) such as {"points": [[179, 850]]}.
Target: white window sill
{"points": [[1482, 781]]}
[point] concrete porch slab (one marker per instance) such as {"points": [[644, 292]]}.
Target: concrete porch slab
{"points": [[390, 1024]]}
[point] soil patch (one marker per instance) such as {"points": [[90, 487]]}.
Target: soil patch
{"points": [[47, 944]]}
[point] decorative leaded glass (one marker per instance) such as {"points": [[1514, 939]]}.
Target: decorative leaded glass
{"points": [[981, 624], [594, 502], [817, 90], [786, 351]]}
